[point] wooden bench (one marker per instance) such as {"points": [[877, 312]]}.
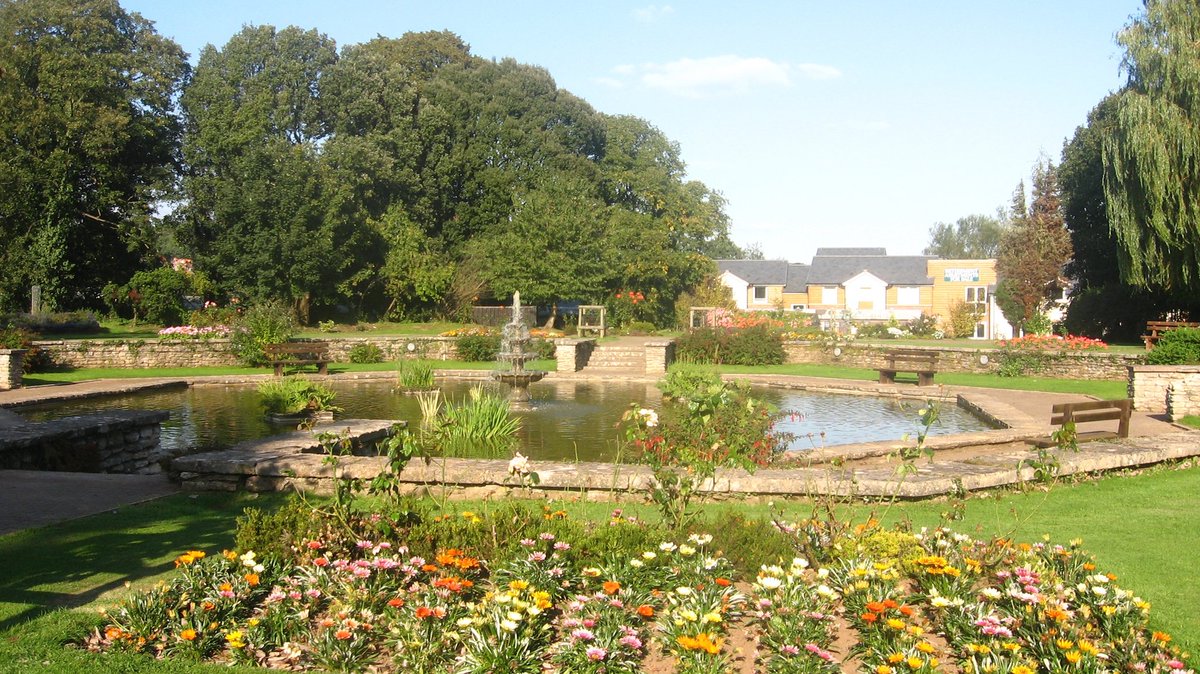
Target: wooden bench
{"points": [[1154, 330], [1086, 412], [296, 354], [922, 363]]}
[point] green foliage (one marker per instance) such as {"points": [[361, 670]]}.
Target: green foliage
{"points": [[708, 292], [366, 352], [1034, 249], [157, 295], [972, 237], [477, 348], [261, 324], [416, 375], [684, 379], [86, 111], [639, 328], [295, 395], [542, 349], [757, 345], [482, 418], [1151, 150], [923, 326], [961, 321], [1180, 346], [276, 533]]}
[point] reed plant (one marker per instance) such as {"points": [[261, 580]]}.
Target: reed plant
{"points": [[295, 395], [483, 419], [415, 375]]}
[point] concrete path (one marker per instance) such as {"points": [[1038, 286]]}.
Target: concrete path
{"points": [[34, 498]]}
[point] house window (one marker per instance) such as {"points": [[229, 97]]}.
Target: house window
{"points": [[798, 307], [829, 295], [760, 294], [977, 295], [977, 299], [908, 296]]}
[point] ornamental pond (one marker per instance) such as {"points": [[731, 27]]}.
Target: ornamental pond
{"points": [[570, 420]]}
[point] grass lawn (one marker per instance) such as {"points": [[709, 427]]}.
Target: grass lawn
{"points": [[1139, 526], [1103, 389]]}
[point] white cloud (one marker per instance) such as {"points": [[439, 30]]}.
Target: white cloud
{"points": [[721, 75], [652, 13], [610, 82]]}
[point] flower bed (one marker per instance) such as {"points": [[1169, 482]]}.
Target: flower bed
{"points": [[872, 601], [193, 332]]}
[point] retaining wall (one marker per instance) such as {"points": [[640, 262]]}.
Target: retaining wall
{"points": [[109, 442], [11, 362], [1063, 364], [1174, 389]]}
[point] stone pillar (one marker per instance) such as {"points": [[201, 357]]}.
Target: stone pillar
{"points": [[659, 355], [11, 368], [572, 354], [1149, 385]]}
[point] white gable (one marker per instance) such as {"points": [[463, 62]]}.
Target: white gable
{"points": [[737, 287], [865, 279]]}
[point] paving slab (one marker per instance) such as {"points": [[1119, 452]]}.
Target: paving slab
{"points": [[33, 498]]}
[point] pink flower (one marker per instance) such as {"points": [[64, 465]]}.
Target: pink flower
{"points": [[582, 635], [596, 653], [631, 641]]}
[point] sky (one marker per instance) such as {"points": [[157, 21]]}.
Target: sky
{"points": [[823, 124]]}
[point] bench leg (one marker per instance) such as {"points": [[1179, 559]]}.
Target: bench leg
{"points": [[278, 370], [887, 377], [924, 379], [322, 368]]}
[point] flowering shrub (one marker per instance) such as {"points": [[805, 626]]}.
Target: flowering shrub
{"points": [[751, 345], [474, 330], [186, 332], [1052, 343], [935, 601]]}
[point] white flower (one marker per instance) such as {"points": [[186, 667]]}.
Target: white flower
{"points": [[1099, 591], [519, 465], [649, 417], [799, 562], [649, 554], [687, 550], [683, 590], [464, 622], [636, 563], [508, 625], [667, 546], [991, 593], [826, 591], [700, 539], [769, 582]]}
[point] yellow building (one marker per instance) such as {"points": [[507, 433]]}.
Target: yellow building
{"points": [[868, 285]]}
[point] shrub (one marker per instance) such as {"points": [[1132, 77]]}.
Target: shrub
{"points": [[543, 349], [211, 316], [478, 348], [157, 295], [923, 325], [754, 345], [1180, 346], [640, 328], [684, 379], [295, 395], [277, 534], [963, 318], [59, 322], [262, 324], [366, 352]]}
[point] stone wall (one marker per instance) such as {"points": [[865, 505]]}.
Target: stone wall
{"points": [[571, 354], [11, 361], [1067, 364], [86, 353], [659, 355], [1165, 388], [108, 442]]}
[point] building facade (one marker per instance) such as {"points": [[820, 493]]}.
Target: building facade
{"points": [[868, 285]]}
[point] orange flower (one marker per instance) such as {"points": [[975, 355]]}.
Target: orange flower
{"points": [[723, 582], [906, 611], [890, 603], [1161, 637], [396, 602], [869, 617], [424, 612], [611, 587], [875, 606], [188, 635], [342, 634], [701, 642], [646, 611], [429, 568], [113, 632], [251, 579]]}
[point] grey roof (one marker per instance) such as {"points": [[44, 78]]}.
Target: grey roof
{"points": [[906, 270], [757, 272], [850, 252], [797, 278]]}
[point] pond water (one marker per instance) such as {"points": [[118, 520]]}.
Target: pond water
{"points": [[570, 420]]}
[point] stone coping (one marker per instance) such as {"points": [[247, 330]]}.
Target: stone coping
{"points": [[27, 433]]}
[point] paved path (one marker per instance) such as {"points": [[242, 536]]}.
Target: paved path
{"points": [[34, 498]]}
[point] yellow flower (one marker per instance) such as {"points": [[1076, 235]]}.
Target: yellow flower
{"points": [[895, 658], [1073, 656], [883, 669], [1065, 644], [1021, 669], [914, 662], [925, 647], [895, 623], [518, 585]]}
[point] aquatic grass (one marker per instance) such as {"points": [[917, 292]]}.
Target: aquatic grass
{"points": [[482, 417], [295, 395], [415, 375]]}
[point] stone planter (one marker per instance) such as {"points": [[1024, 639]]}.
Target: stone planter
{"points": [[1173, 389], [11, 368]]}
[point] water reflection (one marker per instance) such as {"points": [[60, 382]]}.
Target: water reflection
{"points": [[570, 419]]}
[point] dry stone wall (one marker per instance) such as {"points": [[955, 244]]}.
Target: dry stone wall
{"points": [[1072, 365], [109, 442], [1174, 389], [11, 361]]}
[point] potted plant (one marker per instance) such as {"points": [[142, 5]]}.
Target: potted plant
{"points": [[296, 399]]}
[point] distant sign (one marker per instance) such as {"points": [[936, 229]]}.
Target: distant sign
{"points": [[961, 275]]}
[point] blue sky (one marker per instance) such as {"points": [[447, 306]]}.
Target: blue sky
{"points": [[856, 123]]}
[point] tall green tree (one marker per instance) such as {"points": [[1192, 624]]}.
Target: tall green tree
{"points": [[1152, 155], [1034, 250], [971, 237], [264, 211], [88, 140]]}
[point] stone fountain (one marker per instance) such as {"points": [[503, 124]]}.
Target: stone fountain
{"points": [[513, 340]]}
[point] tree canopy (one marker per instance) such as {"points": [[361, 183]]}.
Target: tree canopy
{"points": [[1152, 150], [88, 131], [971, 237]]}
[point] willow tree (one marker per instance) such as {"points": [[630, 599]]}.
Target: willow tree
{"points": [[1152, 155]]}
